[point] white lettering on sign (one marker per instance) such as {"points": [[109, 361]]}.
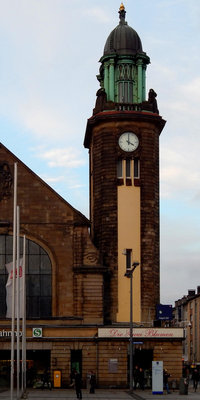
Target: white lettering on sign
{"points": [[4, 333]]}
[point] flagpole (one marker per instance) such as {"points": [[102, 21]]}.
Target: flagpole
{"points": [[24, 320], [13, 286], [18, 299]]}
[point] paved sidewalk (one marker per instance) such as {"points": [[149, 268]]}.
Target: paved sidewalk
{"points": [[106, 394]]}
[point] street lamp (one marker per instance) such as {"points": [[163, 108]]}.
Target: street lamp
{"points": [[129, 274]]}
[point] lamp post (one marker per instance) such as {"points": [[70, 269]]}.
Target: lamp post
{"points": [[129, 274]]}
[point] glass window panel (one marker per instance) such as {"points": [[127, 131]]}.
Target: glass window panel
{"points": [[27, 286], [9, 245], [45, 285], [120, 92], [45, 307], [38, 277], [130, 92], [9, 258], [33, 307], [119, 169], [2, 284], [42, 251], [34, 264], [33, 285], [128, 168], [2, 296], [136, 168], [2, 263], [33, 248], [2, 244], [126, 92], [45, 264], [128, 258], [3, 307]]}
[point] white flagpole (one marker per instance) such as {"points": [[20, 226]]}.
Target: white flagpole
{"points": [[18, 299], [24, 319], [13, 288]]}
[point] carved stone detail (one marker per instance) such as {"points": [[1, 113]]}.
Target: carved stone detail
{"points": [[6, 181], [91, 258]]}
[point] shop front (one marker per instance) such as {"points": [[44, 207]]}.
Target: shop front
{"points": [[105, 351]]}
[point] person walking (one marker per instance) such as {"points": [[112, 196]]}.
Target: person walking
{"points": [[78, 385], [195, 378], [92, 382], [136, 373], [141, 378], [165, 380]]}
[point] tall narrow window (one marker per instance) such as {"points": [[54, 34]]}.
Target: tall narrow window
{"points": [[136, 166], [120, 168], [128, 258], [128, 168], [125, 92]]}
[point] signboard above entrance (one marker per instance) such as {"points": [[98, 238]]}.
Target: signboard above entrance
{"points": [[149, 333]]}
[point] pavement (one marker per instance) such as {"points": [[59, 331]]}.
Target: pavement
{"points": [[106, 394]]}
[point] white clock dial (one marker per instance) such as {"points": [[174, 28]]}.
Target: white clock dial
{"points": [[128, 141]]}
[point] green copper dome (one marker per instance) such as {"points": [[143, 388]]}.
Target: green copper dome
{"points": [[122, 74], [123, 39]]}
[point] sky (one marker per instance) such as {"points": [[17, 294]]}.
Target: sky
{"points": [[49, 61]]}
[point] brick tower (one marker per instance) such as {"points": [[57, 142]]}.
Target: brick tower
{"points": [[123, 141]]}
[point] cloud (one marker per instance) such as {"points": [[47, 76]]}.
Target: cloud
{"points": [[98, 13], [192, 90], [54, 179], [177, 174], [62, 157], [77, 186]]}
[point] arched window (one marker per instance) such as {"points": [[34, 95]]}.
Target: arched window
{"points": [[38, 277]]}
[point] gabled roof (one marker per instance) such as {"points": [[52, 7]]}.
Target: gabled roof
{"points": [[79, 218]]}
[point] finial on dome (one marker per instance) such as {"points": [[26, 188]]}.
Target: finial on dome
{"points": [[122, 13]]}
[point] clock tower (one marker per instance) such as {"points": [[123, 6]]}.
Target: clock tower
{"points": [[123, 141]]}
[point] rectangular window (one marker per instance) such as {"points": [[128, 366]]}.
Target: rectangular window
{"points": [[130, 92], [128, 168], [119, 169], [125, 92], [128, 258], [121, 95], [136, 166]]}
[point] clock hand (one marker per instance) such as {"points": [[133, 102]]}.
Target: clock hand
{"points": [[130, 143]]}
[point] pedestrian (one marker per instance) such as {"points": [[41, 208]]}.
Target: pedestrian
{"points": [[46, 379], [92, 382], [78, 385], [195, 378], [165, 380], [141, 378], [136, 376]]}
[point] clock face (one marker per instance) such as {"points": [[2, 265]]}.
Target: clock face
{"points": [[128, 141]]}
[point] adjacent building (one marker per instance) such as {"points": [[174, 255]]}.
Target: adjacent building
{"points": [[78, 297], [187, 316]]}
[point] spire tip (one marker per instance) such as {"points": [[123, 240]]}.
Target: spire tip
{"points": [[122, 13]]}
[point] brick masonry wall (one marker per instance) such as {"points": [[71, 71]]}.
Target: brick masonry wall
{"points": [[102, 138], [62, 231], [108, 359]]}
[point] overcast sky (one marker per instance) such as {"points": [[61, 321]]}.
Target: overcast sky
{"points": [[48, 66]]}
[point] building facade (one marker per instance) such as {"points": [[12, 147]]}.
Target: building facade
{"points": [[187, 316], [123, 141], [78, 298]]}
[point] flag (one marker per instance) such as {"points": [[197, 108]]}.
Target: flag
{"points": [[9, 286]]}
